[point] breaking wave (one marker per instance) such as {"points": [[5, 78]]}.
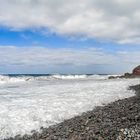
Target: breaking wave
{"points": [[23, 78]]}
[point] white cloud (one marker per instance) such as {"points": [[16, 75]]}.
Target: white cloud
{"points": [[113, 20], [65, 60]]}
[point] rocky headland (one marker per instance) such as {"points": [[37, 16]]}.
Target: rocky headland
{"points": [[135, 73]]}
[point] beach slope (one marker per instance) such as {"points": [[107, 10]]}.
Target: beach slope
{"points": [[115, 121]]}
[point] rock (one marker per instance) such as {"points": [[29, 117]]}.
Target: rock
{"points": [[101, 138], [136, 71], [111, 77], [127, 75]]}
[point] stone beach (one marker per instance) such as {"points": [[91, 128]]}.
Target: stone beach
{"points": [[119, 120]]}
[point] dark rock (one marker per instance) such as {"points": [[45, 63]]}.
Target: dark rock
{"points": [[135, 74], [127, 75], [136, 71], [111, 77]]}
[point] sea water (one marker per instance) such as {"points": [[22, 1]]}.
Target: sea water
{"points": [[28, 102]]}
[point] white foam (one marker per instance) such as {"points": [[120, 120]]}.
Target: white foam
{"points": [[26, 106], [58, 76], [8, 79]]}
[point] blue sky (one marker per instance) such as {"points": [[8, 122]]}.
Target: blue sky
{"points": [[91, 37], [34, 37]]}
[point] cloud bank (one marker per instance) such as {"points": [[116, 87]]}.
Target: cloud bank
{"points": [[65, 60], [112, 20]]}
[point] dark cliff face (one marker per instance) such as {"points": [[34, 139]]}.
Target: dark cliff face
{"points": [[136, 71]]}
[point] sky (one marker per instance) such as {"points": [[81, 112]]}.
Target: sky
{"points": [[69, 37]]}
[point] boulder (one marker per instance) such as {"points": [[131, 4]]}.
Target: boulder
{"points": [[127, 75], [136, 71]]}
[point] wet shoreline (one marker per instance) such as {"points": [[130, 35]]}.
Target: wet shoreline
{"points": [[115, 121]]}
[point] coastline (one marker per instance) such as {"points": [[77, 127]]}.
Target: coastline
{"points": [[115, 121]]}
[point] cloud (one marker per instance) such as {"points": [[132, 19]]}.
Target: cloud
{"points": [[112, 20], [65, 60]]}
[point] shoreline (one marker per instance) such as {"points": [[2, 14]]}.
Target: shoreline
{"points": [[115, 121]]}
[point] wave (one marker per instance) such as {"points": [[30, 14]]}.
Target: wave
{"points": [[24, 78], [7, 79], [58, 76]]}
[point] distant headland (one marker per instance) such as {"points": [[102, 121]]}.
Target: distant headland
{"points": [[135, 73]]}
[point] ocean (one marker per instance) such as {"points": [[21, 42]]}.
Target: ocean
{"points": [[29, 102]]}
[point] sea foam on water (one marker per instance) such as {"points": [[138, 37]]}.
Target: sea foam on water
{"points": [[28, 103]]}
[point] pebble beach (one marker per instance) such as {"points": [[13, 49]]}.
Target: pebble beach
{"points": [[119, 120]]}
